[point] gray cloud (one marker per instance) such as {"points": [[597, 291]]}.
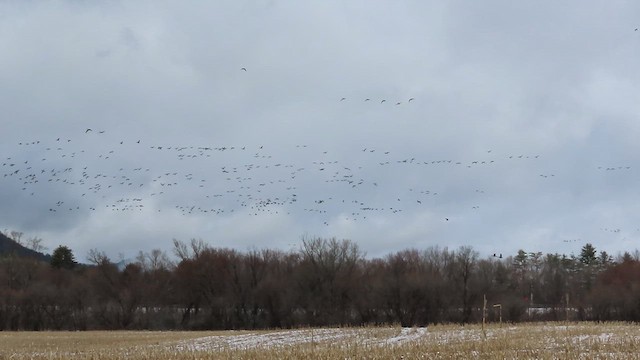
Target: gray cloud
{"points": [[521, 132]]}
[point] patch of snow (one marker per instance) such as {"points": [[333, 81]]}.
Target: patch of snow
{"points": [[295, 337], [406, 335], [605, 337]]}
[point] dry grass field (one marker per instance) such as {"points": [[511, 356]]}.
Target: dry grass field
{"points": [[522, 341]]}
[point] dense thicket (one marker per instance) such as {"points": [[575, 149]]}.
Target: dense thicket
{"points": [[326, 282]]}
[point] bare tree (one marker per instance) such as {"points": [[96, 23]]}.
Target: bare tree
{"points": [[35, 244], [463, 269], [328, 272], [181, 250], [97, 257], [193, 250], [16, 236], [154, 260]]}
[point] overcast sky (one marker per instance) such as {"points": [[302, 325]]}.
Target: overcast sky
{"points": [[502, 125]]}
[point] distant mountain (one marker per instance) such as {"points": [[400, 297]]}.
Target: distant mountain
{"points": [[10, 247]]}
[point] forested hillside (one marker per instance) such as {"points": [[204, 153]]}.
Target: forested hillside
{"points": [[10, 246], [327, 282]]}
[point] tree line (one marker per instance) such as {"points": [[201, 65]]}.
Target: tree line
{"points": [[326, 282]]}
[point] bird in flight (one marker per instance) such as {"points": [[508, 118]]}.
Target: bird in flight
{"points": [[343, 99], [410, 100], [86, 131], [243, 69], [383, 100]]}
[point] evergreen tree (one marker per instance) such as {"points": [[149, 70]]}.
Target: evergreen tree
{"points": [[588, 255], [63, 258]]}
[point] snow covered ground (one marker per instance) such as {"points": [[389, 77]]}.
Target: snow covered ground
{"points": [[365, 336], [577, 336]]}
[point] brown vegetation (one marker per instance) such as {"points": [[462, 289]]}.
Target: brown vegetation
{"points": [[529, 341], [328, 282]]}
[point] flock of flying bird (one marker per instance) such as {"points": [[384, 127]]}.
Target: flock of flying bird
{"points": [[252, 180], [382, 101], [259, 184]]}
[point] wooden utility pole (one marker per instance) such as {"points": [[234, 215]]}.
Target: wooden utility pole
{"points": [[484, 314]]}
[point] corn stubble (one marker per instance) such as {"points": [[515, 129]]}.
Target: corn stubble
{"points": [[522, 341]]}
